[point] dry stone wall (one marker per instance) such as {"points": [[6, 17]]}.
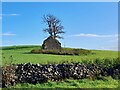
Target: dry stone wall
{"points": [[37, 73]]}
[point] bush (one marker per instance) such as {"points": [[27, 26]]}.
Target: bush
{"points": [[63, 51]]}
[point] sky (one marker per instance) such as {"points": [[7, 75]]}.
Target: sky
{"points": [[60, 0], [90, 25]]}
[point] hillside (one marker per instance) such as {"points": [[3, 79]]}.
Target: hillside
{"points": [[20, 54]]}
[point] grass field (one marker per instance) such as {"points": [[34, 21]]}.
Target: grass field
{"points": [[83, 83], [20, 54]]}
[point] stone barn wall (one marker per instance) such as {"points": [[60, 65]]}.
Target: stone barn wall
{"points": [[51, 44]]}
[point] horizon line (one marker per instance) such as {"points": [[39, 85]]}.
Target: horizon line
{"points": [[61, 46]]}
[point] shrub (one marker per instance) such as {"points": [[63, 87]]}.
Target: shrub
{"points": [[63, 51]]}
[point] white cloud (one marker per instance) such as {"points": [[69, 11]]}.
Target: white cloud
{"points": [[7, 34], [114, 48], [94, 35], [13, 14], [1, 15]]}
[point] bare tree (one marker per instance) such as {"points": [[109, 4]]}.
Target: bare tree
{"points": [[54, 26]]}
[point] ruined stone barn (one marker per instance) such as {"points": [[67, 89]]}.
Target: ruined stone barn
{"points": [[51, 44]]}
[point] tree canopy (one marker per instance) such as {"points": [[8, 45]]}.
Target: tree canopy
{"points": [[54, 27]]}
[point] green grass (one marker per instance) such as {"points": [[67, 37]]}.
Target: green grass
{"points": [[21, 55], [69, 83]]}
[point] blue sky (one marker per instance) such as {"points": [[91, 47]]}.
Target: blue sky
{"points": [[59, 0], [91, 25]]}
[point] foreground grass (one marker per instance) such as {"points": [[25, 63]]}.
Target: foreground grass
{"points": [[83, 83], [21, 55]]}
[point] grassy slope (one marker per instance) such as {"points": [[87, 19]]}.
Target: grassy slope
{"points": [[22, 56]]}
